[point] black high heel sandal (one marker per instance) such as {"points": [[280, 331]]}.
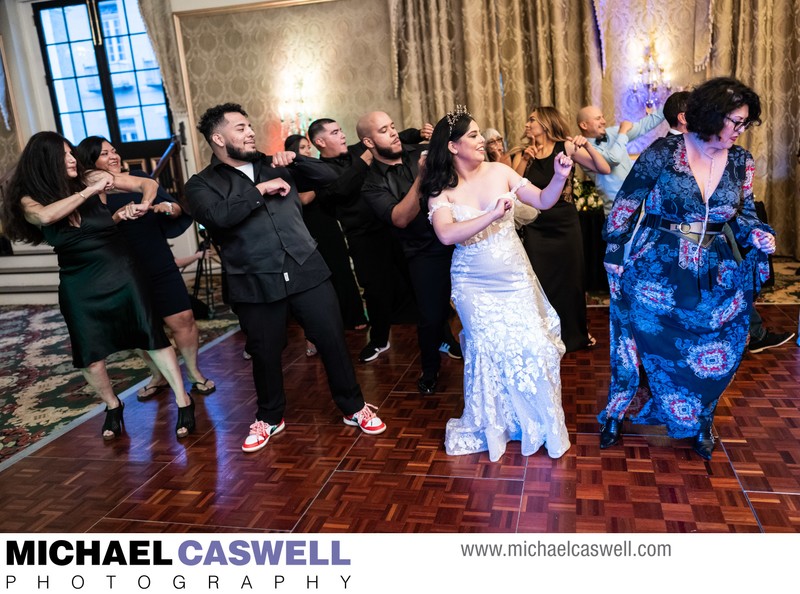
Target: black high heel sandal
{"points": [[114, 422], [186, 423]]}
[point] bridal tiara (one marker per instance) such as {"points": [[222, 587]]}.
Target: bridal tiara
{"points": [[453, 116]]}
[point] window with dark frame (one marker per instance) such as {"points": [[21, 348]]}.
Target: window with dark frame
{"points": [[103, 74]]}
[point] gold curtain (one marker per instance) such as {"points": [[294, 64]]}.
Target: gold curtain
{"points": [[758, 42], [157, 16], [499, 57]]}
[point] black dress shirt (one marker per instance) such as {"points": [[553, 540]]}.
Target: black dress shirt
{"points": [[266, 249], [385, 186]]}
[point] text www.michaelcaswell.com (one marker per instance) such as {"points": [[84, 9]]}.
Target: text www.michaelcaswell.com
{"points": [[566, 549]]}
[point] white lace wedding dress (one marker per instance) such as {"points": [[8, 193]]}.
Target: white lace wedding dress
{"points": [[511, 343]]}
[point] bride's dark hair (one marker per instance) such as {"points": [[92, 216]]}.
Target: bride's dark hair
{"points": [[439, 173]]}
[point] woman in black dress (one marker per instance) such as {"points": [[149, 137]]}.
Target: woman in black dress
{"points": [[553, 241], [147, 239], [52, 199]]}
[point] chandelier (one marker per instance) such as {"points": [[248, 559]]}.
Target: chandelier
{"points": [[650, 87]]}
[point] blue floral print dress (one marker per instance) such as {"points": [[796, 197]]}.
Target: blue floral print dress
{"points": [[679, 310]]}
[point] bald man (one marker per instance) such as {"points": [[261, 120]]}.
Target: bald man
{"points": [[391, 189], [377, 257], [612, 144]]}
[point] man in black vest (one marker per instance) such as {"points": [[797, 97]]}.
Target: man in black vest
{"points": [[250, 206], [391, 189]]}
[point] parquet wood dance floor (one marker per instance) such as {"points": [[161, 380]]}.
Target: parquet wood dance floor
{"points": [[322, 476]]}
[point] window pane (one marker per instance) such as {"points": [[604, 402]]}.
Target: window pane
{"points": [[125, 91], [90, 93], [118, 51], [135, 22], [84, 58], [131, 128], [131, 68], [151, 90], [53, 25], [96, 124], [78, 22], [156, 122], [143, 51], [67, 95], [112, 15], [60, 61], [72, 127]]}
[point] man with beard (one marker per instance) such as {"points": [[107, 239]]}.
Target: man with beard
{"points": [[377, 257], [391, 189], [250, 206]]}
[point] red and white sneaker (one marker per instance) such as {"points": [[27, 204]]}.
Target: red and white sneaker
{"points": [[260, 432], [367, 420]]}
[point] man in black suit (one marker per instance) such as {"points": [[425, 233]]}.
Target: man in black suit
{"points": [[391, 189], [249, 204]]}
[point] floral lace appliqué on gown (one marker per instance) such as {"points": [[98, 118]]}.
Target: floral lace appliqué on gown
{"points": [[511, 343]]}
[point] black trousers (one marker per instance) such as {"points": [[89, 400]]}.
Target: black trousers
{"points": [[331, 244], [380, 265], [430, 278], [264, 325]]}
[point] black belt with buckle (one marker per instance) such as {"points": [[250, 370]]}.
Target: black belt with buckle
{"points": [[690, 231]]}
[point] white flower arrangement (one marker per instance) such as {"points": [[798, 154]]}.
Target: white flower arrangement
{"points": [[586, 195]]}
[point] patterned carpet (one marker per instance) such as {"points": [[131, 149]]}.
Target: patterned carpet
{"points": [[40, 390]]}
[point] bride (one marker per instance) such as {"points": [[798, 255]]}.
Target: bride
{"points": [[511, 337]]}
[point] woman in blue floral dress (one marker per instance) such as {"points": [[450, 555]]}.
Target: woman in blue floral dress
{"points": [[679, 300]]}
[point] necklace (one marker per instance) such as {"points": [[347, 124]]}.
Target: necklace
{"points": [[712, 159]]}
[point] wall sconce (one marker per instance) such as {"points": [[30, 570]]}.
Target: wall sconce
{"points": [[650, 87], [294, 112]]}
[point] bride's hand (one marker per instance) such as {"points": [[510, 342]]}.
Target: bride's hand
{"points": [[562, 164], [501, 206]]}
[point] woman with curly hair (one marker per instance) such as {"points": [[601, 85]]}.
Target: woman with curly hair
{"points": [[52, 199], [680, 302]]}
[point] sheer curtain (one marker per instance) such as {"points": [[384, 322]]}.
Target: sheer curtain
{"points": [[758, 42]]}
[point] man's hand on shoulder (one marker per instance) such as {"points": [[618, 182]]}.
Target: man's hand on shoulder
{"points": [[275, 186], [366, 156], [625, 127], [283, 158]]}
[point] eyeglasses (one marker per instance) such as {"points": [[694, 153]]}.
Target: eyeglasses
{"points": [[739, 125], [495, 141]]}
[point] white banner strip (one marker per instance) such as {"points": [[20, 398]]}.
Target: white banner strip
{"points": [[395, 563]]}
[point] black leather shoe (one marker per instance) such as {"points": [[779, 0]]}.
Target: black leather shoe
{"points": [[609, 435], [427, 383], [704, 442]]}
